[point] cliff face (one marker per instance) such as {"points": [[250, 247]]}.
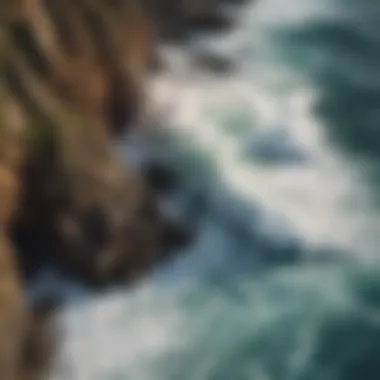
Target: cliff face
{"points": [[71, 78], [25, 340], [76, 70], [13, 312]]}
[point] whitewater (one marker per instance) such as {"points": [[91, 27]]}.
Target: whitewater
{"points": [[277, 285]]}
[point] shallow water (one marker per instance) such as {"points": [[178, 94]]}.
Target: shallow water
{"points": [[279, 167]]}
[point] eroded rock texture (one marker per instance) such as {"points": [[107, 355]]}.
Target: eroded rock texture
{"points": [[25, 340], [76, 70], [72, 76]]}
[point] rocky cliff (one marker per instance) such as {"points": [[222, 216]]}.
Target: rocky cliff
{"points": [[71, 78]]}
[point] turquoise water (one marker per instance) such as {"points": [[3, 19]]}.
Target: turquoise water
{"points": [[279, 165]]}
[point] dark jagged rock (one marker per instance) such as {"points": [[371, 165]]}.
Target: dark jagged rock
{"points": [[161, 179], [67, 87]]}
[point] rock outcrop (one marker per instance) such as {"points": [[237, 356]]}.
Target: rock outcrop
{"points": [[71, 78], [25, 341], [76, 71], [13, 310]]}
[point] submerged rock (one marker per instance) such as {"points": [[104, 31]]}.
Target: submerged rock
{"points": [[214, 62], [276, 147]]}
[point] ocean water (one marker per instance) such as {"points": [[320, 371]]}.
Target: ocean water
{"points": [[279, 167]]}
